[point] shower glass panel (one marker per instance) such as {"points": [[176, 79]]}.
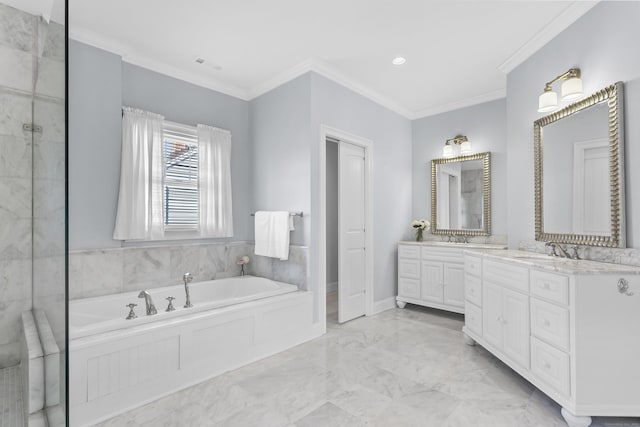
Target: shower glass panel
{"points": [[32, 215]]}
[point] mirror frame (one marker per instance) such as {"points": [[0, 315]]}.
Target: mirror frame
{"points": [[486, 196], [613, 94]]}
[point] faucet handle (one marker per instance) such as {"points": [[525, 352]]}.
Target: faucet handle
{"points": [[170, 307], [187, 277], [132, 314]]}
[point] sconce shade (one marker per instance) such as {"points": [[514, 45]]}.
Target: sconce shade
{"points": [[548, 101], [447, 151], [571, 89], [465, 148]]}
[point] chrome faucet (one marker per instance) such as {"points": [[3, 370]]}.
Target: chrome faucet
{"points": [[187, 278], [151, 309], [558, 250]]}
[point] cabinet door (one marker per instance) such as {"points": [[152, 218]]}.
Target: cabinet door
{"points": [[492, 313], [431, 281], [454, 285], [515, 309]]}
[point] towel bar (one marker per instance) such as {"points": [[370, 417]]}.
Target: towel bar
{"points": [[300, 214]]}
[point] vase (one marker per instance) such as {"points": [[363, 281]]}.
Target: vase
{"points": [[419, 235]]}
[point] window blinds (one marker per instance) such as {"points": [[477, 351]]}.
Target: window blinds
{"points": [[180, 155]]}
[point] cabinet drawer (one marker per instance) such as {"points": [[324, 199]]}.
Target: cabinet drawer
{"points": [[452, 255], [550, 323], [473, 289], [508, 275], [550, 286], [409, 287], [409, 251], [550, 365], [473, 265], [409, 268], [473, 318]]}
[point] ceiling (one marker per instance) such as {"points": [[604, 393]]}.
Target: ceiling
{"points": [[457, 52]]}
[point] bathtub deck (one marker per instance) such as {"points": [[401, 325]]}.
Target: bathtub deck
{"points": [[11, 410]]}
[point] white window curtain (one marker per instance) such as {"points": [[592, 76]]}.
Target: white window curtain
{"points": [[139, 215], [214, 169]]}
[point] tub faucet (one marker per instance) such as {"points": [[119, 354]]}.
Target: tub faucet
{"points": [[151, 309], [187, 278]]}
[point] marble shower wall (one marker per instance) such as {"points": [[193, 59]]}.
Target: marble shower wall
{"points": [[107, 271], [18, 47]]}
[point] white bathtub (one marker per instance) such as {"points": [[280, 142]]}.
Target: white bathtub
{"points": [[120, 364], [91, 316]]}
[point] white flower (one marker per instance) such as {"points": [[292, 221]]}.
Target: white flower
{"points": [[243, 260], [421, 224]]}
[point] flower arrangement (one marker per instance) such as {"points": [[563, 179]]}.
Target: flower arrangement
{"points": [[420, 225], [242, 261]]}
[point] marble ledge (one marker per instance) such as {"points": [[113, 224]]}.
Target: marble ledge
{"points": [[556, 264], [487, 246]]}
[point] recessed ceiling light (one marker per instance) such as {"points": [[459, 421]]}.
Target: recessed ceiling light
{"points": [[398, 60]]}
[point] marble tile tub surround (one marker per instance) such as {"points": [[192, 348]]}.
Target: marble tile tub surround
{"points": [[400, 368], [628, 256], [108, 271]]}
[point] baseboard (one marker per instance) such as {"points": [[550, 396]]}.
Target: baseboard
{"points": [[331, 287], [384, 305]]}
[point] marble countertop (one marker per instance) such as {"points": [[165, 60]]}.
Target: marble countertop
{"points": [[486, 246], [560, 265]]}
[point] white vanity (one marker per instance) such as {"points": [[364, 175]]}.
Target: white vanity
{"points": [[431, 274], [570, 327]]}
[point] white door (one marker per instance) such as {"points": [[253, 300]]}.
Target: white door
{"points": [[515, 311], [351, 241], [431, 289], [492, 314], [454, 285]]}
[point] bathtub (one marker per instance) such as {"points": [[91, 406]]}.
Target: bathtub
{"points": [[120, 364], [91, 316]]}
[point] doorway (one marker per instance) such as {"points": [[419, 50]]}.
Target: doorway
{"points": [[345, 286]]}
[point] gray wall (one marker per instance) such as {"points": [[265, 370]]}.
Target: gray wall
{"points": [[95, 101], [338, 107], [603, 43], [332, 213], [100, 83], [485, 125], [279, 126]]}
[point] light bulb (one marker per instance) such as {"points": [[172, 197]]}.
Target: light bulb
{"points": [[547, 102], [571, 89]]}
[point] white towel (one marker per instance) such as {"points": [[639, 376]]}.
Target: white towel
{"points": [[272, 234]]}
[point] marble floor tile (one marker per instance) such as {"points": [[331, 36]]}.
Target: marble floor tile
{"points": [[399, 368], [11, 409], [329, 415]]}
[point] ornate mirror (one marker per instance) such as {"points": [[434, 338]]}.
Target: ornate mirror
{"points": [[579, 172], [461, 195]]}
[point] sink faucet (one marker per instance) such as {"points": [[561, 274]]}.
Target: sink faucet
{"points": [[151, 309], [187, 278], [558, 250]]}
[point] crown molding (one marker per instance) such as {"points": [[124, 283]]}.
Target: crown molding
{"points": [[467, 102], [324, 69], [133, 57], [567, 17]]}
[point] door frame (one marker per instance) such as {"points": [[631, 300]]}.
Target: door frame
{"points": [[340, 135]]}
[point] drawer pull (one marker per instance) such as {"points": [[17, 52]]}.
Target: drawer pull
{"points": [[546, 322], [546, 286], [546, 364]]}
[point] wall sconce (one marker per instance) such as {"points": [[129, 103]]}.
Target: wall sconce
{"points": [[462, 141], [571, 89]]}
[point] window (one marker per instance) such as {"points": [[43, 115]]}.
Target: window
{"points": [[180, 181]]}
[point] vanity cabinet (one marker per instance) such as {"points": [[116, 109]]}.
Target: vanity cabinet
{"points": [[432, 274], [569, 327]]}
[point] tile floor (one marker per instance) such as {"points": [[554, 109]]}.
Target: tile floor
{"points": [[399, 368], [11, 412]]}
